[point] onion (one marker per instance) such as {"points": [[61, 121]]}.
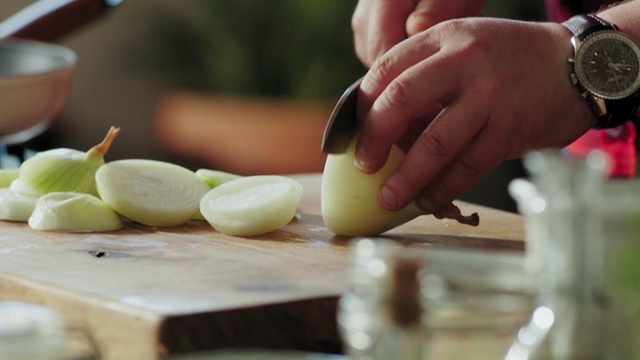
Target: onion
{"points": [[63, 169], [7, 176], [15, 206], [349, 197], [150, 192], [73, 212], [252, 205], [214, 178]]}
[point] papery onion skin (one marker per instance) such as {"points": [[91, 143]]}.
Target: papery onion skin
{"points": [[151, 192], [73, 212]]}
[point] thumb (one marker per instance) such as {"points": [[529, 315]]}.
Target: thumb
{"points": [[428, 13], [423, 17]]}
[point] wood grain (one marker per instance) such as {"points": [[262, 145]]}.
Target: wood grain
{"points": [[148, 292]]}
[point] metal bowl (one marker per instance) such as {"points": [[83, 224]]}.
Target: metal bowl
{"points": [[35, 80]]}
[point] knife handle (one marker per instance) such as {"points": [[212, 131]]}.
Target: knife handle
{"points": [[50, 20]]}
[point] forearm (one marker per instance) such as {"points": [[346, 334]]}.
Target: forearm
{"points": [[626, 16]]}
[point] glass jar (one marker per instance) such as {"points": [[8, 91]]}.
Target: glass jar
{"points": [[579, 229], [410, 303], [33, 332]]}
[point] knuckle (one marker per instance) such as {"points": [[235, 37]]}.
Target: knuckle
{"points": [[398, 95], [437, 195], [382, 67], [469, 167], [406, 182], [436, 143]]}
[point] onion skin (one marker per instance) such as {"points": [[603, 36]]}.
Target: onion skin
{"points": [[349, 197]]}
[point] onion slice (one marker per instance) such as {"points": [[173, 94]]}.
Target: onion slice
{"points": [[150, 192], [73, 212], [252, 205], [214, 178], [15, 206]]}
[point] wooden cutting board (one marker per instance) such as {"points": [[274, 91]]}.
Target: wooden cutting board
{"points": [[145, 293]]}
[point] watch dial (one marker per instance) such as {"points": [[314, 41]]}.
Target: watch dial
{"points": [[607, 64]]}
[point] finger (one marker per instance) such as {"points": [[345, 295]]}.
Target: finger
{"points": [[424, 16], [427, 13], [377, 26], [411, 95], [482, 155], [391, 65], [442, 141], [359, 25], [416, 127], [386, 26]]}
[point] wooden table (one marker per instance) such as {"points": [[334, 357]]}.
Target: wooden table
{"points": [[145, 293]]}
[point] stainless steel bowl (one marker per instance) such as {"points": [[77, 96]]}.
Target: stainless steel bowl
{"points": [[35, 75], [35, 80]]}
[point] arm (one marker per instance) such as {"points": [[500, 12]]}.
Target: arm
{"points": [[626, 16], [504, 89]]}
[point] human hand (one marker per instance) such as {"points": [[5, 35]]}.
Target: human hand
{"points": [[380, 24], [503, 87]]}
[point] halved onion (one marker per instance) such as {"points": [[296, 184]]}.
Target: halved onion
{"points": [[74, 212], [151, 192], [349, 197], [252, 205]]}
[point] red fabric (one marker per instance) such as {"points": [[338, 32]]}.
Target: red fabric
{"points": [[620, 143]]}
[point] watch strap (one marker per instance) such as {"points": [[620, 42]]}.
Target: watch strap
{"points": [[584, 25], [618, 112]]}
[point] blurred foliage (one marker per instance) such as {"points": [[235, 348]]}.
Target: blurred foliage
{"points": [[280, 48]]}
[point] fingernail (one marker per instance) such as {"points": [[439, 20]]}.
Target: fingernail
{"points": [[361, 164], [389, 198], [361, 161]]}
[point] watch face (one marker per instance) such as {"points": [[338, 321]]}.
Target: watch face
{"points": [[608, 65]]}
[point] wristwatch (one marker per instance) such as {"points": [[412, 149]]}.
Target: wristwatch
{"points": [[606, 69]]}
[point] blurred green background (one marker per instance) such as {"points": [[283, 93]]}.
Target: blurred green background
{"points": [[291, 49]]}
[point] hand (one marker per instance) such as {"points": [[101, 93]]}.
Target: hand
{"points": [[503, 87], [380, 24]]}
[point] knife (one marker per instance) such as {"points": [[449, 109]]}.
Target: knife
{"points": [[343, 123], [49, 20]]}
